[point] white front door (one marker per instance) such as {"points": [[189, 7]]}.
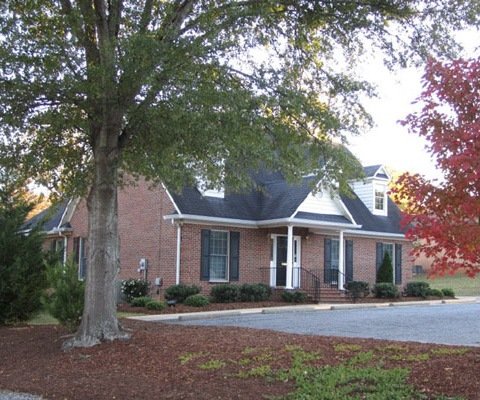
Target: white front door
{"points": [[278, 270]]}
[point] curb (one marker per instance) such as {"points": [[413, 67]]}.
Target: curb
{"points": [[290, 309]]}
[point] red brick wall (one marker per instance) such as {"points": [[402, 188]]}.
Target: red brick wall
{"points": [[145, 234]]}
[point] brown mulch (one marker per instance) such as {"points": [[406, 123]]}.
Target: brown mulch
{"points": [[163, 361]]}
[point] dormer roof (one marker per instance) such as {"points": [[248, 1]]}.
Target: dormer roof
{"points": [[376, 171]]}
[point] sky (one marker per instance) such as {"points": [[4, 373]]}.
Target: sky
{"points": [[389, 143]]}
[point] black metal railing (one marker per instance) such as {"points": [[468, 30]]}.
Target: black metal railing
{"points": [[310, 281]]}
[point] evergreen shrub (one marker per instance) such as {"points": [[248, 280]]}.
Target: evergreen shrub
{"points": [[225, 293], [294, 296], [155, 305], [254, 292], [197, 300], [448, 292], [385, 291], [180, 292], [417, 289], [64, 298], [140, 301], [385, 272]]}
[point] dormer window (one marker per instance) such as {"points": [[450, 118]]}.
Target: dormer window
{"points": [[379, 199]]}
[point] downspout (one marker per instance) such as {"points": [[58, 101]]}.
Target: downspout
{"points": [[177, 263]]}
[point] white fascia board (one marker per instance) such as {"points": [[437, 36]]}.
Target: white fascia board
{"points": [[345, 209], [305, 223], [171, 198], [399, 236], [200, 219], [258, 224]]}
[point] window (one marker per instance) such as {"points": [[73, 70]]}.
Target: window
{"points": [[379, 198], [79, 256], [57, 248], [219, 255]]}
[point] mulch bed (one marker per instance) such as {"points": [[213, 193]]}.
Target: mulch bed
{"points": [[150, 366]]}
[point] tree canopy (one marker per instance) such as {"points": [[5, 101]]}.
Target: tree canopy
{"points": [[445, 216], [93, 90]]}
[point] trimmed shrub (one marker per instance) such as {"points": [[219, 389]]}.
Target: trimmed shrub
{"points": [[385, 272], [357, 289], [65, 296], [448, 292], [225, 293], [254, 292], [197, 300], [155, 305], [435, 292], [385, 291], [180, 292], [417, 289], [140, 301], [133, 288], [294, 296]]}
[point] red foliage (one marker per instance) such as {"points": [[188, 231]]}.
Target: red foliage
{"points": [[445, 216]]}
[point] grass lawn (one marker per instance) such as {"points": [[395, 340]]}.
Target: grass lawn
{"points": [[461, 284]]}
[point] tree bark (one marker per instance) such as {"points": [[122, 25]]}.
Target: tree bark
{"points": [[99, 320]]}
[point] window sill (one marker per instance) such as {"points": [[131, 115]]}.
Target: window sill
{"points": [[219, 281]]}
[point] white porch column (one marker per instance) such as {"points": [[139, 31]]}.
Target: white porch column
{"points": [[289, 284], [177, 261], [341, 262]]}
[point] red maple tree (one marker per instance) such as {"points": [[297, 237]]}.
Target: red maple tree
{"points": [[444, 217]]}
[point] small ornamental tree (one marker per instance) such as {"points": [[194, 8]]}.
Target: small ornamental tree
{"points": [[22, 275], [444, 217], [385, 272]]}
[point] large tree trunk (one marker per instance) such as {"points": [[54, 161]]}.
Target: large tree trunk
{"points": [[99, 320]]}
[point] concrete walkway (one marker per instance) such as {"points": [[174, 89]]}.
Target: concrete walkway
{"points": [[296, 308]]}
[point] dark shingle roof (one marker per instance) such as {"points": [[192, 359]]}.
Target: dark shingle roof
{"points": [[371, 170], [278, 199], [48, 219]]}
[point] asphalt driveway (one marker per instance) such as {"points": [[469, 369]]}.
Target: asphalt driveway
{"points": [[454, 324]]}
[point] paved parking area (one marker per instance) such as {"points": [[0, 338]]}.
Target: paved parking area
{"points": [[454, 324]]}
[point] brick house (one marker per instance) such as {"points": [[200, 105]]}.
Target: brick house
{"points": [[283, 235]]}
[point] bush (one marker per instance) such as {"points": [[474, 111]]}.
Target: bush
{"points": [[417, 289], [22, 270], [197, 300], [435, 292], [385, 272], [133, 288], [448, 292], [140, 301], [294, 296], [224, 293], [385, 291], [180, 292], [155, 305], [65, 295], [357, 289], [254, 292]]}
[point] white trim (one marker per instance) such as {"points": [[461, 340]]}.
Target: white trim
{"points": [[399, 236], [171, 198], [177, 261], [341, 261], [288, 283], [299, 222]]}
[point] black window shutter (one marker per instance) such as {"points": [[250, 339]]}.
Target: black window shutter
{"points": [[234, 256], [398, 264], [379, 257], [327, 260], [348, 260], [205, 256]]}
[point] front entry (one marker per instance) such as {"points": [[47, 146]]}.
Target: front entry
{"points": [[279, 271]]}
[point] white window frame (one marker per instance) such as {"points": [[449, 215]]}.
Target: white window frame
{"points": [[381, 189]]}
